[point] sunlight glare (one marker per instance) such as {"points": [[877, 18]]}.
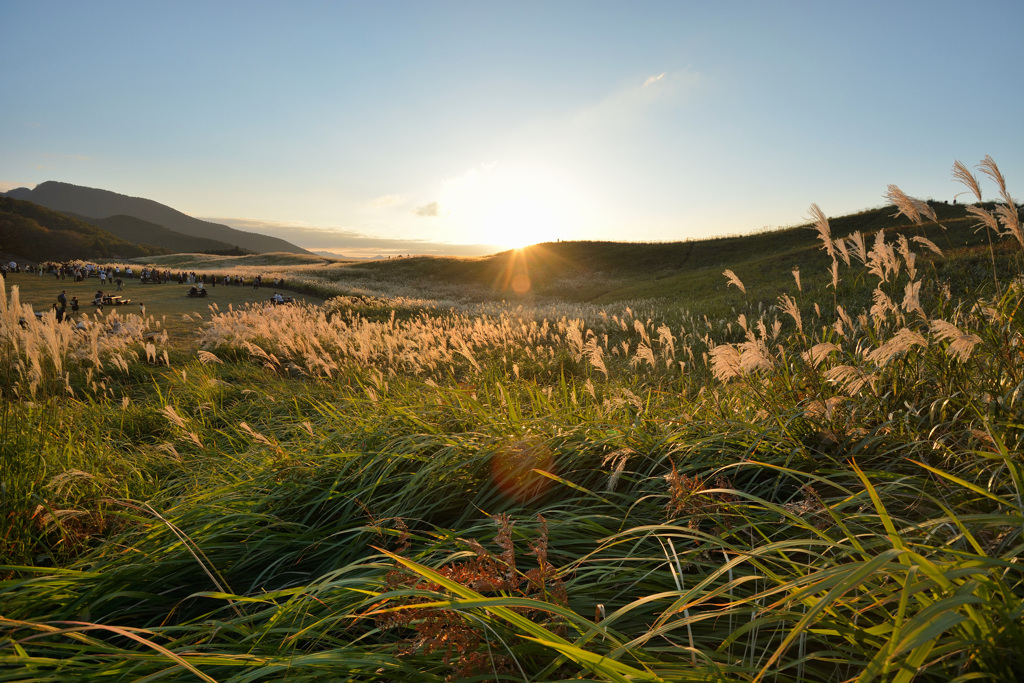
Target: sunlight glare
{"points": [[513, 207]]}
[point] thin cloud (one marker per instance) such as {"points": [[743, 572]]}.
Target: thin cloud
{"points": [[668, 86], [431, 210], [387, 200]]}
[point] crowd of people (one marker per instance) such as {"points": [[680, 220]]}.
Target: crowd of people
{"points": [[118, 277], [79, 271]]}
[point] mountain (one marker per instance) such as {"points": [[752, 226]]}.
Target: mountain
{"points": [[139, 231], [95, 203], [32, 232]]}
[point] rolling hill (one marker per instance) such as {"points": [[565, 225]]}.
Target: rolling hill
{"points": [[32, 232], [96, 203], [140, 231], [690, 273]]}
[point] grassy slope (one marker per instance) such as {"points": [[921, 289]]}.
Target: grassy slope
{"points": [[139, 231], [684, 273], [32, 232]]}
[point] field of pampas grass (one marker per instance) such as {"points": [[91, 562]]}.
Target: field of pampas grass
{"points": [[824, 484]]}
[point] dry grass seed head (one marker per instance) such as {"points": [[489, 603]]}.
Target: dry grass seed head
{"points": [[967, 178], [909, 206], [821, 224], [904, 340], [733, 280], [961, 344]]}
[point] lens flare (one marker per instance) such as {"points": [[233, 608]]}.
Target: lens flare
{"points": [[512, 470]]}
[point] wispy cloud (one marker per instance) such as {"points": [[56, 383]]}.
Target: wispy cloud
{"points": [[431, 210], [387, 200], [671, 88]]}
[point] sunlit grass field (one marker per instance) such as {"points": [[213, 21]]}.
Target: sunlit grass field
{"points": [[816, 477]]}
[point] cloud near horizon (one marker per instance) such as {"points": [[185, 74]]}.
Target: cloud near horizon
{"points": [[431, 210], [352, 243]]}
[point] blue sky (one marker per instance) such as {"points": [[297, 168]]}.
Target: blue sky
{"points": [[426, 126]]}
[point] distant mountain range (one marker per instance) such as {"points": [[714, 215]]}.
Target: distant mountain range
{"points": [[144, 221]]}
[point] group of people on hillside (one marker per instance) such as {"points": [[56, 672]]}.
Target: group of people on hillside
{"points": [[61, 307], [78, 271]]}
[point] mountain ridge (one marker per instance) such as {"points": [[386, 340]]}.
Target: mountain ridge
{"points": [[34, 232], [100, 204], [141, 231]]}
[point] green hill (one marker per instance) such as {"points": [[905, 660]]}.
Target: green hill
{"points": [[689, 273], [32, 232], [141, 231], [96, 203], [617, 270]]}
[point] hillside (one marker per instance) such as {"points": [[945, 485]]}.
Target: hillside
{"points": [[141, 231], [32, 232], [96, 203], [687, 272]]}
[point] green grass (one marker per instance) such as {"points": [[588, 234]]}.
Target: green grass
{"points": [[380, 489]]}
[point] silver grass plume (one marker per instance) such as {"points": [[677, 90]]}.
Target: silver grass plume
{"points": [[902, 341], [860, 250], [927, 243], [818, 353], [961, 344], [1008, 210], [967, 179], [733, 280], [824, 230], [840, 245], [909, 206], [788, 305]]}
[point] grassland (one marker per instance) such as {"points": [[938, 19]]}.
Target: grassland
{"points": [[819, 481]]}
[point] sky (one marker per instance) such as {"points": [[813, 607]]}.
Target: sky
{"points": [[391, 127]]}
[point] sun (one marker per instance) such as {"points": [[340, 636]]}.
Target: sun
{"points": [[514, 207], [520, 220]]}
